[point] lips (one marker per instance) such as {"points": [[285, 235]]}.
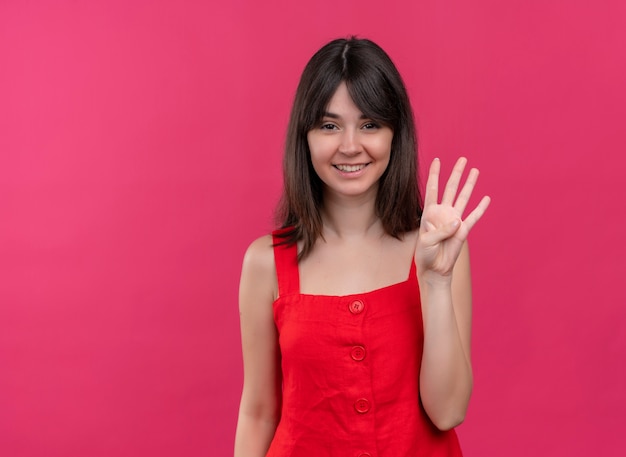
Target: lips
{"points": [[350, 168]]}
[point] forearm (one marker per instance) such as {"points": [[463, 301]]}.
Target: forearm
{"points": [[254, 435], [446, 373]]}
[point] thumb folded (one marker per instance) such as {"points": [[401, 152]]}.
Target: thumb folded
{"points": [[444, 232]]}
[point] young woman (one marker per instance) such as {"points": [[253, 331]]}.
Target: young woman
{"points": [[356, 314]]}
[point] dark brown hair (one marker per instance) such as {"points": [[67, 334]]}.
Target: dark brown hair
{"points": [[378, 91]]}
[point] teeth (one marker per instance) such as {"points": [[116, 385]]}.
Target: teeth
{"points": [[349, 168]]}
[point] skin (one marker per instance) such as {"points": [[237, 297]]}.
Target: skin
{"points": [[355, 256]]}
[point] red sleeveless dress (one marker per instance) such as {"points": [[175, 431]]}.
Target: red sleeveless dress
{"points": [[350, 368]]}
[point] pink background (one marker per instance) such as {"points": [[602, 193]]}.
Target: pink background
{"points": [[140, 146]]}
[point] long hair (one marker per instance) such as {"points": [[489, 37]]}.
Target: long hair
{"points": [[377, 90]]}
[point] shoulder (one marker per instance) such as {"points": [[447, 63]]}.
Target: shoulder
{"points": [[260, 253], [258, 272], [409, 239]]}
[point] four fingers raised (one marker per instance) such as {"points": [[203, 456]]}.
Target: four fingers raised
{"points": [[450, 197]]}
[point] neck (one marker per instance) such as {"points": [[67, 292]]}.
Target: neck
{"points": [[351, 217]]}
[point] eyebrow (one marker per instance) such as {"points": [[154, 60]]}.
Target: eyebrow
{"points": [[337, 116]]}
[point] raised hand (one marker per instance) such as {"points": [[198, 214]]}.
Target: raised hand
{"points": [[443, 229]]}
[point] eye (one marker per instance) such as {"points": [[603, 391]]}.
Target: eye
{"points": [[328, 126], [370, 126]]}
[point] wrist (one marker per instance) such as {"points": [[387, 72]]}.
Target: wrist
{"points": [[435, 281]]}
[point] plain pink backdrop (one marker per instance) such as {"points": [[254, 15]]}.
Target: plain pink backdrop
{"points": [[140, 146]]}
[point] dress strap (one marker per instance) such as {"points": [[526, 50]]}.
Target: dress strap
{"points": [[286, 258], [413, 270]]}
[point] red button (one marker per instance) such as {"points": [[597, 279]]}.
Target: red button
{"points": [[365, 454], [357, 353], [356, 307], [362, 405]]}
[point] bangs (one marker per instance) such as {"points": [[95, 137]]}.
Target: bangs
{"points": [[375, 99], [320, 107], [318, 97], [373, 95]]}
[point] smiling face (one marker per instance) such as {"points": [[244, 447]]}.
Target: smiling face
{"points": [[349, 151]]}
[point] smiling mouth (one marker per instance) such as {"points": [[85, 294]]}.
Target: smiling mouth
{"points": [[350, 168]]}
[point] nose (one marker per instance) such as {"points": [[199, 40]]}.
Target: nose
{"points": [[349, 144]]}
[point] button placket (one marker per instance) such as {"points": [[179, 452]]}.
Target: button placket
{"points": [[361, 389]]}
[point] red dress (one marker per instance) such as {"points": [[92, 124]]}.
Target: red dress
{"points": [[350, 368]]}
